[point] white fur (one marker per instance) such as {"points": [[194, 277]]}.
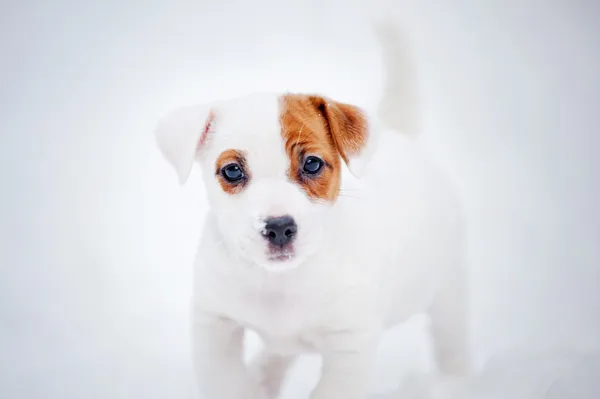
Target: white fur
{"points": [[391, 246], [177, 136]]}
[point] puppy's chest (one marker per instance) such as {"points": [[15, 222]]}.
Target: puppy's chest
{"points": [[286, 322]]}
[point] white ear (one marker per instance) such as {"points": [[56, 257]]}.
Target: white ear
{"points": [[181, 134]]}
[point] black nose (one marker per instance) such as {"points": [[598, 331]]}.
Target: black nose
{"points": [[280, 230]]}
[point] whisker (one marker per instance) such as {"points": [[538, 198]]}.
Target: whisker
{"points": [[299, 132], [349, 196]]}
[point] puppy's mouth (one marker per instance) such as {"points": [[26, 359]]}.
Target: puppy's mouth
{"points": [[281, 253]]}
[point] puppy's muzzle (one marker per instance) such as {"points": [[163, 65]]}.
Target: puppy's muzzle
{"points": [[280, 231]]}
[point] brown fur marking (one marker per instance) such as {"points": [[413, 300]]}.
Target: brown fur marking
{"points": [[313, 125]]}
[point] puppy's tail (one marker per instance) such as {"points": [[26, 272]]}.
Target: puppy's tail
{"points": [[399, 106]]}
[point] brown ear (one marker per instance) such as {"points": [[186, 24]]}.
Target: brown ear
{"points": [[350, 131]]}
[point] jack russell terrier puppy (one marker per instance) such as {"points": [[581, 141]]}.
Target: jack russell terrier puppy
{"points": [[312, 258]]}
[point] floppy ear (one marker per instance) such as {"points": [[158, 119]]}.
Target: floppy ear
{"points": [[353, 134], [181, 134]]}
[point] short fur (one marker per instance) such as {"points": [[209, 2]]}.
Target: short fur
{"points": [[368, 253], [317, 126]]}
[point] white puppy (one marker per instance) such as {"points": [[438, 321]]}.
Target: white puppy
{"points": [[306, 255]]}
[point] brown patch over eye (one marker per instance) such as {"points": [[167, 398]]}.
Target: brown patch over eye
{"points": [[306, 136], [231, 171]]}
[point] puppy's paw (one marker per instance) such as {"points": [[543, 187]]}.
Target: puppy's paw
{"points": [[414, 387], [268, 371], [432, 387], [267, 385], [389, 395], [256, 391], [448, 387]]}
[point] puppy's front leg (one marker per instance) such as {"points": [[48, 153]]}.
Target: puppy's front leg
{"points": [[218, 358], [269, 371], [348, 359]]}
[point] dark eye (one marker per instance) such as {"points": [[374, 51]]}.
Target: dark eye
{"points": [[312, 165], [232, 173]]}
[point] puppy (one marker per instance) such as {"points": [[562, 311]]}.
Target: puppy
{"points": [[307, 255]]}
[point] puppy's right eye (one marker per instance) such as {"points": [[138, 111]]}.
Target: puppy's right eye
{"points": [[312, 165], [232, 173]]}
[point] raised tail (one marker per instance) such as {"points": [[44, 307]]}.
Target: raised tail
{"points": [[399, 107]]}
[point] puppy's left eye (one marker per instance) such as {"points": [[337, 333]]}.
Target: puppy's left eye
{"points": [[312, 165], [232, 173]]}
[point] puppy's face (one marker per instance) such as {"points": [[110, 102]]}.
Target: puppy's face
{"points": [[272, 168]]}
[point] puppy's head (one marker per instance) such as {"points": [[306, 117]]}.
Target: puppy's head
{"points": [[272, 168]]}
